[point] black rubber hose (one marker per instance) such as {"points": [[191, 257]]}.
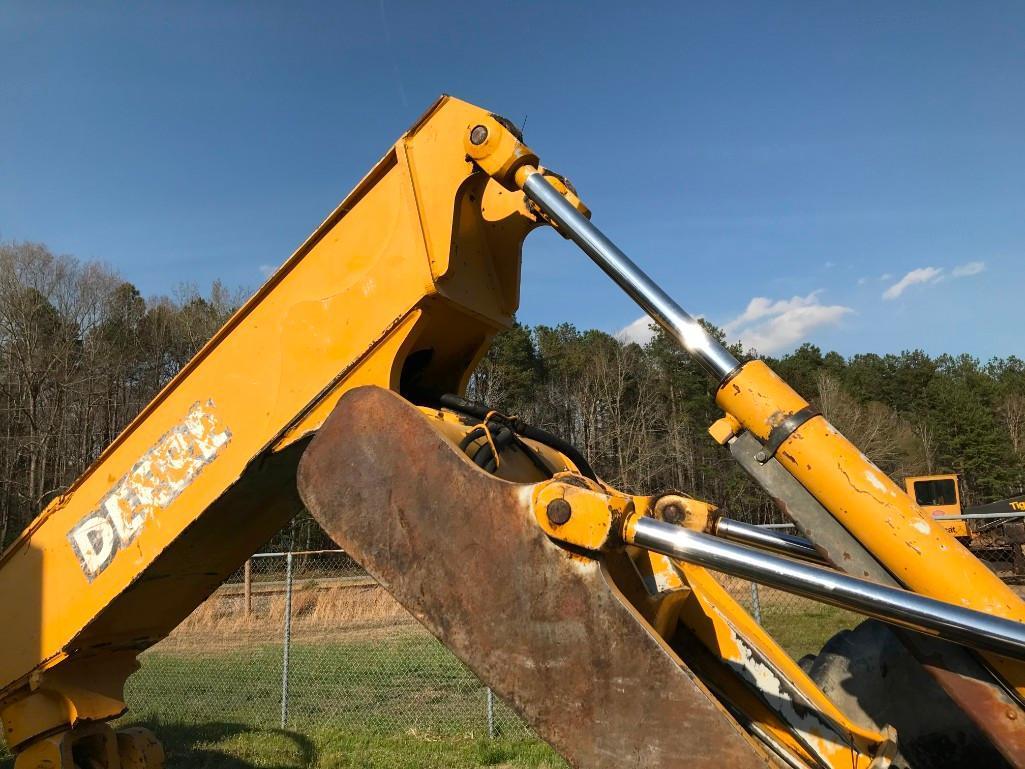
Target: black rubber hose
{"points": [[470, 437], [483, 453], [532, 455], [501, 436], [557, 443], [469, 408], [463, 406]]}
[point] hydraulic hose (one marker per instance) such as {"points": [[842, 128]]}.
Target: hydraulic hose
{"points": [[478, 411]]}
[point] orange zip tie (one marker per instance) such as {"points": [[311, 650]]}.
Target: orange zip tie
{"points": [[491, 441]]}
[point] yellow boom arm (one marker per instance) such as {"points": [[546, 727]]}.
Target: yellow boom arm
{"points": [[402, 286]]}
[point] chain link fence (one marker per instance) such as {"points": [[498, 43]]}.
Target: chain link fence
{"points": [[301, 640], [998, 540], [307, 640]]}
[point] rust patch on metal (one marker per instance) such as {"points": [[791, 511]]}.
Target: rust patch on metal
{"points": [[968, 684], [547, 630]]}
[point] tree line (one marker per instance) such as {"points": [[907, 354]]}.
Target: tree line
{"points": [[641, 414], [82, 351]]}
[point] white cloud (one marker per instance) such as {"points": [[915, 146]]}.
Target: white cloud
{"points": [[267, 270], [770, 326], [925, 275], [640, 331], [965, 270], [916, 276]]}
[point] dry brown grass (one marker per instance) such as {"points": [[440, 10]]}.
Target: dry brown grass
{"points": [[321, 611], [336, 609], [348, 609]]}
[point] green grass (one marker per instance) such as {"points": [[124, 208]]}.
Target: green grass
{"points": [[804, 631], [232, 746], [225, 745], [388, 685], [382, 704]]}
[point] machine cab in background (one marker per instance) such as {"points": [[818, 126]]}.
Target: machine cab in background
{"points": [[939, 495]]}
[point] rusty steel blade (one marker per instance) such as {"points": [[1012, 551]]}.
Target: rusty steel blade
{"points": [[545, 628]]}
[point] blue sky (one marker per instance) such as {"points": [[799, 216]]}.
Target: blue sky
{"points": [[779, 167]]}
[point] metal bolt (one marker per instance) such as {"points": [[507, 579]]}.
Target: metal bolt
{"points": [[478, 135], [558, 511], [672, 514], [1012, 713]]}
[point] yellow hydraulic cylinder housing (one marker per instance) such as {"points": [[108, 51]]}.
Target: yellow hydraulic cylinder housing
{"points": [[402, 286], [891, 526]]}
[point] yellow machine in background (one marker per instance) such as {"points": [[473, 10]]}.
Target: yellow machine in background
{"points": [[595, 613], [994, 532], [939, 495]]}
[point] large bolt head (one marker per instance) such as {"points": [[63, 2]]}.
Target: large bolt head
{"points": [[559, 512], [478, 134], [673, 514]]}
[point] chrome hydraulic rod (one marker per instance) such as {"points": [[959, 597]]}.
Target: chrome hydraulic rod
{"points": [[767, 539], [702, 346], [898, 607]]}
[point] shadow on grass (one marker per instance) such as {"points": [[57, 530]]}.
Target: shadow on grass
{"points": [[223, 745], [216, 745]]}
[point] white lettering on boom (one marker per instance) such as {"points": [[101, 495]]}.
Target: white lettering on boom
{"points": [[153, 483]]}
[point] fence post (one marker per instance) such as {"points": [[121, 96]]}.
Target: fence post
{"points": [[491, 714], [288, 640], [756, 604], [247, 583]]}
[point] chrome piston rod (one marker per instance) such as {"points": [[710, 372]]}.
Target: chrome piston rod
{"points": [[695, 339], [766, 539], [898, 607]]}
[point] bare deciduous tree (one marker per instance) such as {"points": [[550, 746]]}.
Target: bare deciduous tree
{"points": [[80, 354]]}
